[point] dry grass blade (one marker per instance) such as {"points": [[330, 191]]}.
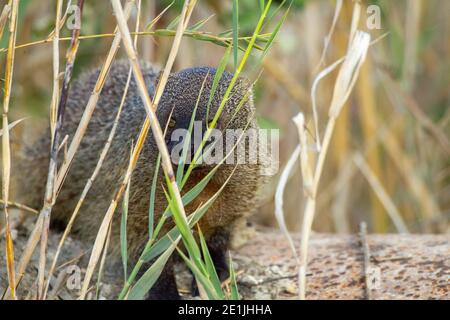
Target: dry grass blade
{"points": [[376, 185], [370, 123], [412, 31], [6, 152], [104, 152], [425, 198], [279, 214], [4, 18], [92, 103], [440, 136], [151, 118], [337, 11], [55, 94], [49, 199], [12, 125], [314, 87], [197, 35], [287, 81], [103, 261], [307, 173], [157, 18], [34, 237], [20, 206], [62, 20], [356, 54]]}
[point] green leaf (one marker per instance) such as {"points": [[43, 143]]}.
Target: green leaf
{"points": [[210, 268], [151, 207], [274, 34], [225, 33], [146, 282], [123, 231], [200, 277], [152, 23], [184, 228], [233, 283], [261, 5], [235, 19], [221, 68], [187, 140], [163, 243], [200, 24], [231, 85], [173, 23]]}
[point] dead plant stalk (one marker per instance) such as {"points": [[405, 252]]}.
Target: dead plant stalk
{"points": [[49, 199], [34, 237], [151, 119], [6, 151], [358, 46]]}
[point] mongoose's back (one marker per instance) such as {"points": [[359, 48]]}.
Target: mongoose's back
{"points": [[35, 156]]}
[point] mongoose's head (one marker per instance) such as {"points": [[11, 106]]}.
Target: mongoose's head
{"points": [[191, 87]]}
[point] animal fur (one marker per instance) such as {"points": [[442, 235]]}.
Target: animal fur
{"points": [[180, 95]]}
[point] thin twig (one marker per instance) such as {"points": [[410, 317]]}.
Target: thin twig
{"points": [[20, 206], [366, 252], [197, 35]]}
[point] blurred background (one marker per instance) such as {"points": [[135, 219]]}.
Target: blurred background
{"points": [[397, 117]]}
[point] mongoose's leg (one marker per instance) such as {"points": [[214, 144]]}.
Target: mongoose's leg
{"points": [[218, 245], [165, 287]]}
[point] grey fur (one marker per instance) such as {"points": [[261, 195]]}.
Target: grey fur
{"points": [[237, 200]]}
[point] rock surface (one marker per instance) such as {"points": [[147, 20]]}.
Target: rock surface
{"points": [[400, 267]]}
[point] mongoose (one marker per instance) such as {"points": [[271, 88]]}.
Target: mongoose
{"points": [[178, 100]]}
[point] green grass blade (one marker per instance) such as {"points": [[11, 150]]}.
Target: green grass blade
{"points": [[274, 13], [146, 282], [187, 140], [205, 282], [173, 23], [163, 243], [225, 33], [123, 232], [235, 18], [200, 24], [261, 5], [229, 89], [220, 69], [233, 283], [151, 207], [152, 23], [274, 34], [184, 229], [210, 268]]}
